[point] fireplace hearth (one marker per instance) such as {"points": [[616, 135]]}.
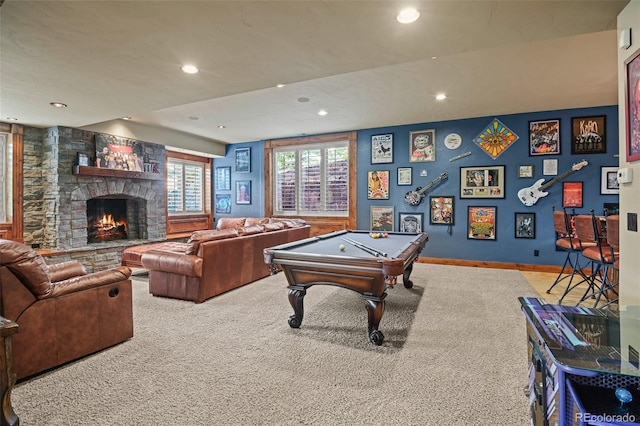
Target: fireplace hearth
{"points": [[106, 220]]}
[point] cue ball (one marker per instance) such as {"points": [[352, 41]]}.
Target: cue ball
{"points": [[342, 247]]}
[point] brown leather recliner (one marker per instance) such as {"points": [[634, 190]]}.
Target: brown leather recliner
{"points": [[62, 312]]}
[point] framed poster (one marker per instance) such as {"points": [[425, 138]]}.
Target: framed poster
{"points": [[382, 148], [495, 138], [525, 225], [481, 222], [223, 178], [525, 171], [422, 146], [411, 222], [243, 192], [441, 210], [405, 175], [632, 100], [571, 194], [544, 137], [482, 182], [382, 219], [113, 152], [378, 185], [609, 180], [243, 160], [223, 203], [588, 135]]}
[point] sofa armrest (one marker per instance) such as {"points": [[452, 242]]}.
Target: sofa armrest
{"points": [[175, 263], [65, 270], [84, 282]]}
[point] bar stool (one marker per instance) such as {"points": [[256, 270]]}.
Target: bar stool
{"points": [[589, 230], [613, 239], [569, 242]]}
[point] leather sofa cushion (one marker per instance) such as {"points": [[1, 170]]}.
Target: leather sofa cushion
{"points": [[193, 245], [250, 230], [66, 270], [27, 265], [230, 222], [179, 264], [250, 221], [288, 223], [268, 227]]}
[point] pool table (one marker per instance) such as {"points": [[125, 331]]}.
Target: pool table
{"points": [[350, 259]]}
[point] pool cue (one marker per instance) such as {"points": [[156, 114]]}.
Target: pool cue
{"points": [[365, 247]]}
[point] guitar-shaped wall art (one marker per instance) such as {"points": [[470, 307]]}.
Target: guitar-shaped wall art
{"points": [[415, 197], [530, 195]]}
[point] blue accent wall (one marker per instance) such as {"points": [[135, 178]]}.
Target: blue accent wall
{"points": [[452, 242]]}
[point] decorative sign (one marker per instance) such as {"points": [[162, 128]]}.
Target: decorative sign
{"points": [[495, 138]]}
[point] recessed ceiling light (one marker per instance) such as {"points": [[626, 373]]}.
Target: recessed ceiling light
{"points": [[126, 118], [408, 15], [221, 126], [193, 117], [322, 112], [280, 86], [303, 99], [12, 119], [58, 104], [441, 96], [190, 69], [434, 57]]}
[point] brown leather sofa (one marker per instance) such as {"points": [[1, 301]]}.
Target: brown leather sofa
{"points": [[62, 312], [215, 261]]}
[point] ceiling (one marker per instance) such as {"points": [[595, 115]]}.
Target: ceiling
{"points": [[111, 59]]}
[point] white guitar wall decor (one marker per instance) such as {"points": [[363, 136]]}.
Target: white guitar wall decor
{"points": [[530, 195], [415, 197]]}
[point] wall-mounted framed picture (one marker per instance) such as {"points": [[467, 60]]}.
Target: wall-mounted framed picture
{"points": [[588, 135], [544, 137], [82, 159], [481, 222], [410, 222], [525, 225], [405, 176], [243, 192], [382, 148], [525, 171], [571, 194], [243, 160], [422, 146], [482, 182], [382, 218], [378, 185], [223, 203], [632, 100], [441, 210], [609, 180], [223, 179]]}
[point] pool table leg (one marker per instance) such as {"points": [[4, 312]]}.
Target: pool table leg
{"points": [[296, 297], [375, 309], [405, 276]]}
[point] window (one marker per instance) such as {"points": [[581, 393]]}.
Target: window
{"points": [[312, 180], [6, 182], [185, 187]]}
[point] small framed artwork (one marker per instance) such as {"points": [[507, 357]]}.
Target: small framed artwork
{"points": [[382, 148], [588, 135], [632, 100], [243, 192], [82, 159], [410, 222], [422, 146], [544, 137], [223, 179], [571, 194], [525, 225], [378, 185], [550, 167], [405, 175], [223, 203], [482, 182], [382, 218], [481, 222], [609, 180], [441, 210], [525, 171], [243, 160]]}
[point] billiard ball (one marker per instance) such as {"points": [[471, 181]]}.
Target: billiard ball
{"points": [[342, 247]]}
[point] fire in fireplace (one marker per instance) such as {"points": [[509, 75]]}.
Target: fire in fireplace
{"points": [[106, 219]]}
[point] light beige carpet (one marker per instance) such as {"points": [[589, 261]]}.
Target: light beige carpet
{"points": [[454, 354]]}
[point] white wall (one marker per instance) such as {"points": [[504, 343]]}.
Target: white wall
{"points": [[629, 193]]}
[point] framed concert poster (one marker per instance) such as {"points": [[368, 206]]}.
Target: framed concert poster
{"points": [[422, 146], [382, 218], [223, 203], [243, 160], [482, 182], [572, 194], [588, 135], [441, 210], [382, 148], [544, 137], [378, 185], [525, 225], [609, 180], [410, 222], [632, 99], [223, 179], [404, 175], [243, 192], [481, 222]]}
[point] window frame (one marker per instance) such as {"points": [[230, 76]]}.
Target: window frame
{"points": [[184, 164]]}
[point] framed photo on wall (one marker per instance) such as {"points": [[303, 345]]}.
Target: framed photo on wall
{"points": [[482, 182], [525, 171], [382, 148], [544, 137], [422, 146], [243, 160], [441, 210], [525, 225], [243, 192], [632, 100], [411, 222], [382, 219], [588, 135], [378, 185], [609, 180], [571, 194], [481, 222], [223, 178], [223, 203], [404, 176]]}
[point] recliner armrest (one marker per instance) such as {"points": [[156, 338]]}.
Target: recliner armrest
{"points": [[84, 282], [65, 270], [175, 263]]}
